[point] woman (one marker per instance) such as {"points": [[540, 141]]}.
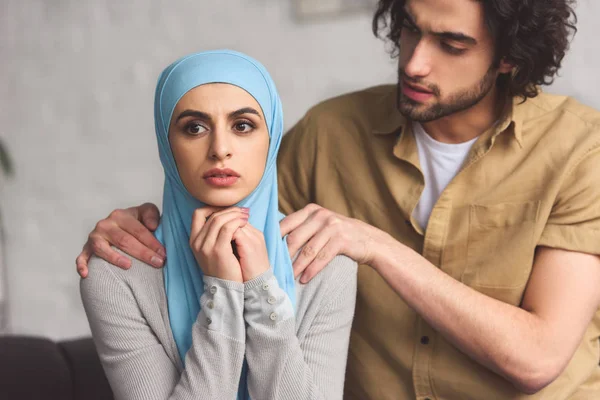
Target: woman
{"points": [[224, 319]]}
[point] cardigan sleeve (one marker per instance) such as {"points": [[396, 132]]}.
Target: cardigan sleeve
{"points": [[136, 363], [280, 365]]}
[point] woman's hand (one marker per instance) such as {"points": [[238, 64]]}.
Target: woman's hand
{"points": [[211, 239], [252, 251]]}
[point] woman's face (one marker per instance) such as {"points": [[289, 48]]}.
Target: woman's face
{"points": [[220, 141]]}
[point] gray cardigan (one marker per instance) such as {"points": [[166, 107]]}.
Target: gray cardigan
{"points": [[289, 357]]}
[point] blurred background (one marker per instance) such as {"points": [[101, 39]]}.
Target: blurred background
{"points": [[77, 79]]}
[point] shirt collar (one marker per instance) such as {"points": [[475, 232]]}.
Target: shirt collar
{"points": [[387, 118], [511, 121]]}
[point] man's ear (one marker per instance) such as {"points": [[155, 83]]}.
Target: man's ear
{"points": [[507, 67]]}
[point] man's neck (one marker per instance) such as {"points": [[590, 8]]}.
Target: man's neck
{"points": [[467, 124]]}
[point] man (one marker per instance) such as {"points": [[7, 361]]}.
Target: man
{"points": [[469, 197]]}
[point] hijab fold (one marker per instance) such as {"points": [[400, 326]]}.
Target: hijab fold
{"points": [[182, 275]]}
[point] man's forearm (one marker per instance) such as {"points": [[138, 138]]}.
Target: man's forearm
{"points": [[508, 340]]}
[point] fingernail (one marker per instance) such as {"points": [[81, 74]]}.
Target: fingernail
{"points": [[161, 252], [157, 262], [246, 210]]}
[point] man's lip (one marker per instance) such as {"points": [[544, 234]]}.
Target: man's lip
{"points": [[417, 88], [220, 171]]}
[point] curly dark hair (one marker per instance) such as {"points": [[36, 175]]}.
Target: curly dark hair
{"points": [[533, 35]]}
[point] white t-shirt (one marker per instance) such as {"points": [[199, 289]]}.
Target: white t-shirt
{"points": [[440, 162]]}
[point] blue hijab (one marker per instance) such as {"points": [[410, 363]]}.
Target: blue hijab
{"points": [[183, 278]]}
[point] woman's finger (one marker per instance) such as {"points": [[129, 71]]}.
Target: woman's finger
{"points": [[246, 240], [227, 232], [210, 232], [199, 218]]}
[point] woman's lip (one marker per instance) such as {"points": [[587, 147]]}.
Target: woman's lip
{"points": [[220, 172], [415, 93], [221, 180]]}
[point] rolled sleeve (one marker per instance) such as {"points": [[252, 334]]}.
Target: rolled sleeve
{"points": [[574, 222]]}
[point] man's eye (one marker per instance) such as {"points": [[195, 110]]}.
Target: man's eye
{"points": [[451, 49], [195, 128], [410, 28]]}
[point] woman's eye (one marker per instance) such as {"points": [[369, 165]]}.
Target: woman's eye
{"points": [[243, 127], [195, 128]]}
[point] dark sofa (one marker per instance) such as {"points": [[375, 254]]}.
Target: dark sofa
{"points": [[34, 368]]}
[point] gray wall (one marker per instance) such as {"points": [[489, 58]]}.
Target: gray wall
{"points": [[77, 81]]}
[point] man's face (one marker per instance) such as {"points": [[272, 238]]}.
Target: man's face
{"points": [[446, 60]]}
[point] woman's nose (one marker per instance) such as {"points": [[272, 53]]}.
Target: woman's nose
{"points": [[220, 147]]}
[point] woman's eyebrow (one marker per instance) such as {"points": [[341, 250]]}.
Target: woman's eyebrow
{"points": [[194, 113], [245, 110]]}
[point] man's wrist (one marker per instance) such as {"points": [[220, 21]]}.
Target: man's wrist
{"points": [[379, 247], [387, 251]]}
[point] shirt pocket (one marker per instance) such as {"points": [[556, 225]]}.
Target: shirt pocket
{"points": [[501, 246]]}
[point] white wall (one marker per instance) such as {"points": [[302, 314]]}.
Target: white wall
{"points": [[77, 80]]}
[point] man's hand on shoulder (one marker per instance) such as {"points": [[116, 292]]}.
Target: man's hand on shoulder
{"points": [[129, 230], [323, 234]]}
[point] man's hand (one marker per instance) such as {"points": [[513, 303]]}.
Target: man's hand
{"points": [[210, 239], [322, 235], [129, 230]]}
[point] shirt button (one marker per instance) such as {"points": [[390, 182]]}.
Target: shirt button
{"points": [[210, 304], [208, 321], [424, 340], [273, 316], [265, 286], [271, 300], [213, 289]]}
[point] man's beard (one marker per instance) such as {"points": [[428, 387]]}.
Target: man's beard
{"points": [[456, 103]]}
